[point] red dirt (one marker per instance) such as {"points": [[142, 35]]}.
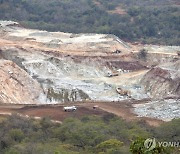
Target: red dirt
{"points": [[57, 113], [122, 109], [126, 65]]}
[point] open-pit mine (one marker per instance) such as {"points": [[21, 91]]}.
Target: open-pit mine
{"points": [[40, 67]]}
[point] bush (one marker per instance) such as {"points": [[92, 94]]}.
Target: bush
{"points": [[91, 134], [169, 131], [142, 54], [16, 134], [112, 144], [137, 147]]}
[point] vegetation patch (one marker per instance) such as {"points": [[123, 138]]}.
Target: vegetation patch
{"points": [[90, 134], [147, 21]]}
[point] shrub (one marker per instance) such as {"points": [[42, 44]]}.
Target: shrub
{"points": [[112, 144], [142, 54], [16, 134]]}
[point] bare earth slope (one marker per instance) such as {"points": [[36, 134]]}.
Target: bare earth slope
{"points": [[16, 86]]}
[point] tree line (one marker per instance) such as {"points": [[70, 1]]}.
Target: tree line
{"points": [[89, 134], [145, 21]]}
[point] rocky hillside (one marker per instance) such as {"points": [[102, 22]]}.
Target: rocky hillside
{"points": [[56, 67], [162, 82], [16, 86]]}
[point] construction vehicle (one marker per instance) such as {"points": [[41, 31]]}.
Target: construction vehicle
{"points": [[112, 74], [123, 92]]}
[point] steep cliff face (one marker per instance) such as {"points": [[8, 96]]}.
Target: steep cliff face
{"points": [[16, 86], [163, 81]]}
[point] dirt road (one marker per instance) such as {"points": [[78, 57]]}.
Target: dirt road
{"points": [[122, 109]]}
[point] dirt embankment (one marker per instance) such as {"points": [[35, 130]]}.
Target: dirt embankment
{"points": [[163, 82]]}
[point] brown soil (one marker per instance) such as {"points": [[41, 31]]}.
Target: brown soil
{"points": [[122, 109], [132, 65], [57, 112]]}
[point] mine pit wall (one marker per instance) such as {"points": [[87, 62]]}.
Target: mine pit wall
{"points": [[154, 59], [12, 55], [16, 86], [125, 65], [92, 67], [53, 95], [130, 62], [74, 67], [1, 57], [65, 95], [159, 84]]}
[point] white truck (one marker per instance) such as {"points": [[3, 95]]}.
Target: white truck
{"points": [[70, 108]]}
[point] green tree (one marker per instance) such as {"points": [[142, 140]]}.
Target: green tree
{"points": [[137, 147], [109, 145]]}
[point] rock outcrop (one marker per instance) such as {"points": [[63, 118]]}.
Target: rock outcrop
{"points": [[163, 81]]}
